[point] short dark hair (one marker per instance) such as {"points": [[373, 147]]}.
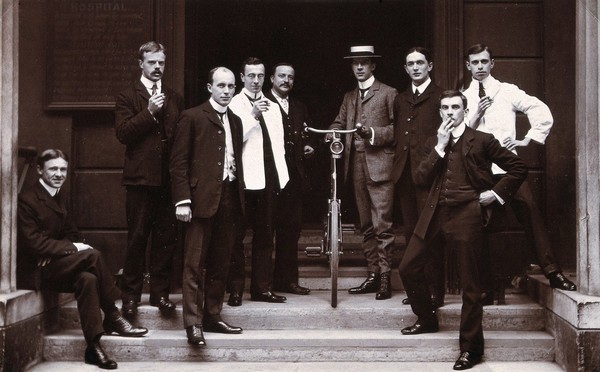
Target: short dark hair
{"points": [[422, 50], [478, 48], [250, 61], [281, 64], [50, 154], [454, 93], [151, 47]]}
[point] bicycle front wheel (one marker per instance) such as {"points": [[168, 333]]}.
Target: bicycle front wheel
{"points": [[335, 239]]}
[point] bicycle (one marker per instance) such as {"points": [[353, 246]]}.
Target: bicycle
{"points": [[331, 244]]}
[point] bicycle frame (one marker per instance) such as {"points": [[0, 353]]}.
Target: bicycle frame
{"points": [[331, 245]]}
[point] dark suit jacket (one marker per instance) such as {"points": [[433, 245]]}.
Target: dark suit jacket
{"points": [[147, 141], [416, 121], [480, 150], [198, 155], [297, 115], [45, 230], [378, 113]]}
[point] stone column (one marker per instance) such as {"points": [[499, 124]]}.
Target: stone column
{"points": [[9, 82], [588, 147]]}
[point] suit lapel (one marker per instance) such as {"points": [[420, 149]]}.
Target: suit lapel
{"points": [[49, 201], [371, 92], [467, 141], [141, 90], [212, 115]]}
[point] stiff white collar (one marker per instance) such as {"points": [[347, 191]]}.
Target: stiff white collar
{"points": [[149, 83], [367, 83], [51, 190], [421, 87], [216, 106]]}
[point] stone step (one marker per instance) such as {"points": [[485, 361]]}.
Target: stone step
{"points": [[314, 312], [306, 345], [179, 366]]}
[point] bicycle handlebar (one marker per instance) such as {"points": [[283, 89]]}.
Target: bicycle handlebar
{"points": [[332, 131]]}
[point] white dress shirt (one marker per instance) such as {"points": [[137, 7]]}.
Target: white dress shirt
{"points": [[149, 84], [500, 118], [252, 154], [421, 87], [229, 166]]}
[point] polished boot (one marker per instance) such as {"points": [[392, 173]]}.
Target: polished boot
{"points": [[437, 299], [559, 281], [165, 306], [129, 309], [370, 285], [385, 287], [487, 298], [195, 335], [115, 323], [466, 360], [422, 327], [268, 297], [96, 356], [221, 327], [235, 299], [293, 288]]}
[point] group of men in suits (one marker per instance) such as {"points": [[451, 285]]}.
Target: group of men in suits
{"points": [[449, 178], [237, 161]]}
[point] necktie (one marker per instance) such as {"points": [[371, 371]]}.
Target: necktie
{"points": [[154, 89], [221, 114], [363, 92], [416, 94], [285, 105], [271, 176], [481, 90]]}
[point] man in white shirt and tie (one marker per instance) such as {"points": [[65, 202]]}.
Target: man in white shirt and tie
{"points": [[265, 175], [493, 106]]}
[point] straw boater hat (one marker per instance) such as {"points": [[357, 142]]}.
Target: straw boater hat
{"points": [[362, 51]]}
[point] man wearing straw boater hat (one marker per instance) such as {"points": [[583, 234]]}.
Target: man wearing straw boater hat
{"points": [[369, 164]]}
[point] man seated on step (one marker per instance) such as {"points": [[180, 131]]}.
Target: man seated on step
{"points": [[51, 255]]}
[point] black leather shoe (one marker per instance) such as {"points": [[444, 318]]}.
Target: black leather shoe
{"points": [[235, 299], [559, 281], [370, 285], [268, 297], [96, 356], [115, 323], [385, 287], [195, 335], [129, 309], [221, 327], [487, 298], [466, 360], [437, 299], [406, 301], [165, 306], [419, 328], [294, 288]]}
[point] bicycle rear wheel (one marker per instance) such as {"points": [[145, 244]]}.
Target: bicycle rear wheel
{"points": [[335, 239]]}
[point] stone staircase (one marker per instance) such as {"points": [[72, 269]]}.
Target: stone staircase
{"points": [[308, 329]]}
